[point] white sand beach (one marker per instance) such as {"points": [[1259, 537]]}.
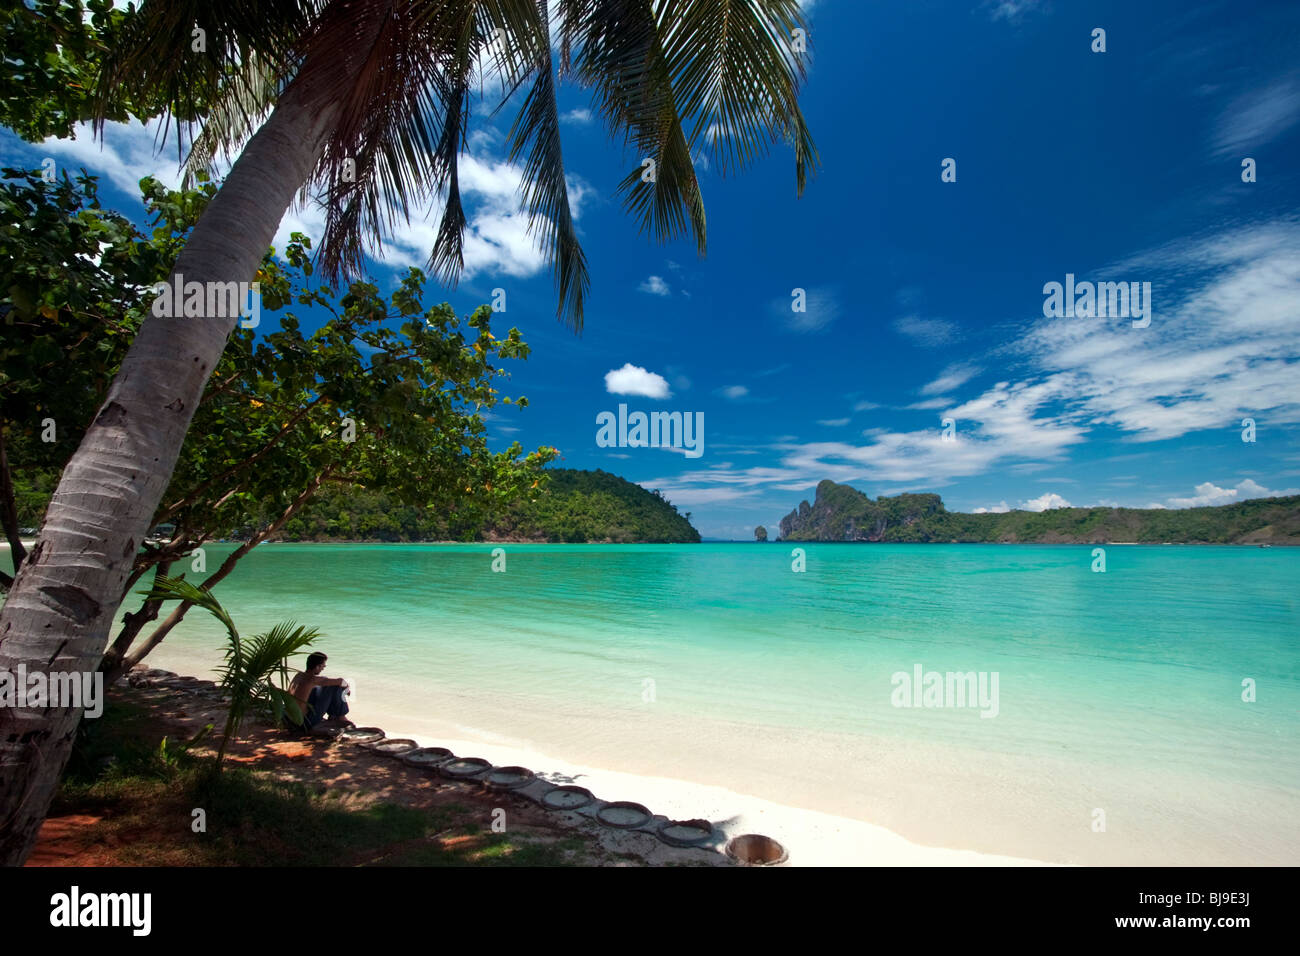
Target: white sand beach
{"points": [[811, 837]]}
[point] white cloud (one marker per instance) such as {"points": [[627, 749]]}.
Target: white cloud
{"points": [[833, 422], [1209, 494], [1044, 502], [580, 116], [128, 153], [866, 406], [1007, 424], [998, 509], [734, 392], [634, 380], [655, 286], [496, 237], [484, 138], [686, 495], [1221, 345], [497, 240]]}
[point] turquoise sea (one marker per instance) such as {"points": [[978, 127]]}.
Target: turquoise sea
{"points": [[1119, 691]]}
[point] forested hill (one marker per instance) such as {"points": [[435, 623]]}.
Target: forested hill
{"points": [[841, 513], [573, 506], [595, 506]]}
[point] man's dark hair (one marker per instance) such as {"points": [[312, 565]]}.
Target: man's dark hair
{"points": [[314, 659]]}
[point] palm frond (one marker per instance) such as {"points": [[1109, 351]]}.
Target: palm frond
{"points": [[621, 56], [404, 114], [380, 68], [447, 258], [536, 132], [184, 51], [178, 589], [239, 107], [737, 77], [266, 652]]}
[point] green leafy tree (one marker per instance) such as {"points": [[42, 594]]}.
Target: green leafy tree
{"points": [[269, 432], [53, 50]]}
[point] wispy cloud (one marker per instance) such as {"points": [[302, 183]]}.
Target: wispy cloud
{"points": [[929, 333], [1257, 118], [950, 379], [814, 311], [1012, 10], [1221, 345], [931, 404]]}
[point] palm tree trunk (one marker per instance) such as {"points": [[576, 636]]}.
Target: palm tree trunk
{"points": [[63, 601]]}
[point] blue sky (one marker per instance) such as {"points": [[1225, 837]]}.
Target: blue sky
{"points": [[925, 298]]}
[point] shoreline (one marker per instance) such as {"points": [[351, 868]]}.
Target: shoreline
{"points": [[28, 544], [811, 837], [830, 798]]}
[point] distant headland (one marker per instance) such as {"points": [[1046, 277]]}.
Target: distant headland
{"points": [[842, 513]]}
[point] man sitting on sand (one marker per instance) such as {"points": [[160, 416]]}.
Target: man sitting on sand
{"points": [[319, 696]]}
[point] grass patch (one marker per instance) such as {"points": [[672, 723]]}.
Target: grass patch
{"points": [[491, 849], [143, 793]]}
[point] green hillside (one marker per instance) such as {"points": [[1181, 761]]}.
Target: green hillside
{"points": [[572, 506]]}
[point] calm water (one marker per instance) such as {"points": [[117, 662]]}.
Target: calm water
{"points": [[1143, 663], [717, 663]]}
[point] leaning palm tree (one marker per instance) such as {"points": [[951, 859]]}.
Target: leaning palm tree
{"points": [[255, 670], [370, 102]]}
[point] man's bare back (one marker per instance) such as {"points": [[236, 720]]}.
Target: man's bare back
{"points": [[305, 686]]}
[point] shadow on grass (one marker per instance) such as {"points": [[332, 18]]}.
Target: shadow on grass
{"points": [[139, 803]]}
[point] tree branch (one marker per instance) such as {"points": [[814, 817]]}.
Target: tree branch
{"points": [[113, 666], [257, 456], [163, 629]]}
